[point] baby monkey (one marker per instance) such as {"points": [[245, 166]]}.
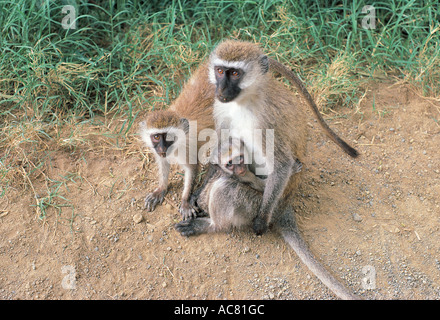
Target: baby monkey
{"points": [[233, 161], [232, 194]]}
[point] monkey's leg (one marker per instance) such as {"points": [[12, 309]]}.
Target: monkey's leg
{"points": [[276, 183], [157, 196], [193, 227]]}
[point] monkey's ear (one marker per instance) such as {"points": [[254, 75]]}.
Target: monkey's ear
{"points": [[184, 124], [264, 63]]}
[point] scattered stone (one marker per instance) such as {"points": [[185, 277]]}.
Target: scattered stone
{"points": [[137, 218], [357, 217]]}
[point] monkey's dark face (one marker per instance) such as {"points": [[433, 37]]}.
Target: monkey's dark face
{"points": [[227, 83], [160, 143], [237, 166]]}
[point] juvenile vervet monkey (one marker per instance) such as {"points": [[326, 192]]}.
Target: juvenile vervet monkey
{"points": [[247, 98], [162, 130], [232, 195]]}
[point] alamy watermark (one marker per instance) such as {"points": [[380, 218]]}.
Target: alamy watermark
{"points": [[369, 281], [257, 146], [369, 21], [69, 21], [69, 281]]}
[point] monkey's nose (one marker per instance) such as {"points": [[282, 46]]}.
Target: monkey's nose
{"points": [[222, 98]]}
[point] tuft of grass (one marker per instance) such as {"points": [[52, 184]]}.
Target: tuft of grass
{"points": [[337, 83]]}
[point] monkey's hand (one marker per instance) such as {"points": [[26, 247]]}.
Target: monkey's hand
{"points": [[194, 204], [154, 198], [187, 211], [259, 226]]}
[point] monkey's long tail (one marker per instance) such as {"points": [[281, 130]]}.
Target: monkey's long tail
{"points": [[289, 74], [288, 228]]}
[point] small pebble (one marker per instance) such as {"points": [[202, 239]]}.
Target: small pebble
{"points": [[357, 217], [137, 218]]}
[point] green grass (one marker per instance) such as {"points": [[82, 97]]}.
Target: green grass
{"points": [[127, 57], [122, 51]]}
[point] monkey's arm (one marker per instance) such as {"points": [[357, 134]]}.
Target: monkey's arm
{"points": [[193, 201], [156, 197], [276, 183], [253, 181]]}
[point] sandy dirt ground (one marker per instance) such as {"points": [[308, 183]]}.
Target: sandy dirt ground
{"points": [[374, 222]]}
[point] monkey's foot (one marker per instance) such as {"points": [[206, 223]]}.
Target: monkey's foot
{"points": [[154, 198], [187, 211], [195, 208], [259, 226], [193, 227]]}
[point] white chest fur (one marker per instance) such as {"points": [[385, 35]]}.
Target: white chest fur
{"points": [[235, 116], [243, 124]]}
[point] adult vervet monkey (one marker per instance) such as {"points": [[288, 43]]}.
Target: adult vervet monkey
{"points": [[248, 98]]}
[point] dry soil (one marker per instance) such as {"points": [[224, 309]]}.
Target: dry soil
{"points": [[373, 222]]}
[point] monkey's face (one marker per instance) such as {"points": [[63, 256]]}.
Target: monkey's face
{"points": [[227, 83], [160, 143], [236, 166]]}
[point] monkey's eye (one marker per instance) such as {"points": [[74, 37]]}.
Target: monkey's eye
{"points": [[156, 137], [235, 73], [229, 164], [220, 70]]}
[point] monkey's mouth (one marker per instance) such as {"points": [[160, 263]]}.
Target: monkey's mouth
{"points": [[241, 173], [163, 154]]}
